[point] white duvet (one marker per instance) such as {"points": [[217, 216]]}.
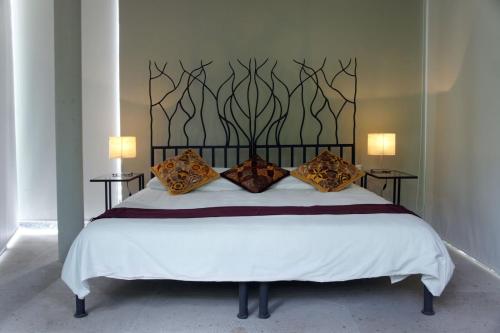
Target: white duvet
{"points": [[317, 248]]}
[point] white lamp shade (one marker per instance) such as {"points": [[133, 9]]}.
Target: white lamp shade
{"points": [[382, 144], [122, 147]]}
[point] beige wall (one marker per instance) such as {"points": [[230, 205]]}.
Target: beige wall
{"points": [[384, 35], [463, 117]]}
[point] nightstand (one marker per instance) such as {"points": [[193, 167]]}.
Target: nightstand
{"points": [[396, 177], [108, 179]]}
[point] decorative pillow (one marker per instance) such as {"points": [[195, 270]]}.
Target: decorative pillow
{"points": [[255, 175], [328, 172], [184, 173]]}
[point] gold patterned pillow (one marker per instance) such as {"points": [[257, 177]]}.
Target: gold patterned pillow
{"points": [[255, 175], [328, 172], [185, 172]]}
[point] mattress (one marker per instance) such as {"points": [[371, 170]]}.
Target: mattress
{"points": [[320, 248]]}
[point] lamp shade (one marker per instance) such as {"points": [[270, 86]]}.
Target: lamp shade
{"points": [[382, 144], [122, 147]]}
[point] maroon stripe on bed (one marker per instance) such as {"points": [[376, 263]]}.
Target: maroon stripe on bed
{"points": [[229, 211]]}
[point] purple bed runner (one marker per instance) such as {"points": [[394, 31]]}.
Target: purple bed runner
{"points": [[229, 211]]}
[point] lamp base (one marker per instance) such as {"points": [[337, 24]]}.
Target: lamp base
{"points": [[123, 174], [380, 171]]}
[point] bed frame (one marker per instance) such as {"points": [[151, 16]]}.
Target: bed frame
{"points": [[254, 111]]}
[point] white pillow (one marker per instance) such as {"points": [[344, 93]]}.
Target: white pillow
{"points": [[291, 183], [220, 184], [155, 184]]}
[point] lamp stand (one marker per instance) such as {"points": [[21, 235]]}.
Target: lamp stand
{"points": [[382, 169]]}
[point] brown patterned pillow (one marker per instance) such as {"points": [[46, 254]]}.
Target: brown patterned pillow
{"points": [[184, 173], [255, 175], [328, 172]]}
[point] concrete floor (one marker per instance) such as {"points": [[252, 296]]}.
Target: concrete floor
{"points": [[34, 299]]}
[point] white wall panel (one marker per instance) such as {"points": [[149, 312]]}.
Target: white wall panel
{"points": [[34, 72], [8, 189], [463, 157], [100, 95], [34, 98]]}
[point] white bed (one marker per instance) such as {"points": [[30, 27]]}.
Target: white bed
{"points": [[317, 248]]}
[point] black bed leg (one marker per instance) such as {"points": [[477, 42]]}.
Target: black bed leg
{"points": [[243, 297], [264, 300], [80, 308], [428, 309]]}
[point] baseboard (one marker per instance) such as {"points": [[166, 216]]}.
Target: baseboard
{"points": [[38, 224], [473, 260]]}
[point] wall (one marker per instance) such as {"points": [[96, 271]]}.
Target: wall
{"points": [[385, 36], [8, 196], [463, 115], [100, 96], [35, 115], [34, 72], [33, 30]]}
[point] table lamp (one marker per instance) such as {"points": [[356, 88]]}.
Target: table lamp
{"points": [[122, 147], [381, 144]]}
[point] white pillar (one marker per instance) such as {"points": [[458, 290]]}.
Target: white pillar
{"points": [[8, 221], [68, 102]]}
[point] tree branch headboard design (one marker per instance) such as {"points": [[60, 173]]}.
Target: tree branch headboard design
{"points": [[253, 110]]}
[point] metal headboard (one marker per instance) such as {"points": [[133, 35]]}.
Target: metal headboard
{"points": [[253, 112]]}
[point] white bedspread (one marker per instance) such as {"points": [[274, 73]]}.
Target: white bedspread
{"points": [[317, 248]]}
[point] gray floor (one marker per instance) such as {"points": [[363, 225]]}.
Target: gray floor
{"points": [[34, 299]]}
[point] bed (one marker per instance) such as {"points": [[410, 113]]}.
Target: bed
{"points": [[223, 233]]}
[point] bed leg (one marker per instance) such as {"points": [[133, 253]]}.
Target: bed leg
{"points": [[264, 300], [243, 298], [80, 308], [428, 309]]}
